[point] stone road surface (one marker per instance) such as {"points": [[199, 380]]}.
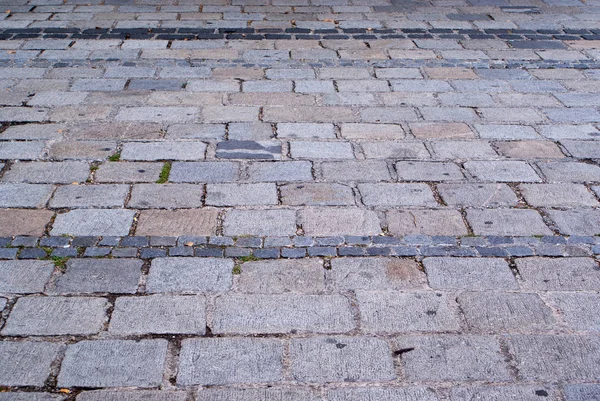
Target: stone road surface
{"points": [[299, 200]]}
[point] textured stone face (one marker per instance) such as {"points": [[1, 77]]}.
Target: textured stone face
{"points": [[124, 395], [93, 222], [469, 273], [376, 274], [23, 222], [167, 223], [267, 394], [24, 276], [100, 276], [323, 222], [282, 276], [26, 363], [382, 393], [189, 275]]}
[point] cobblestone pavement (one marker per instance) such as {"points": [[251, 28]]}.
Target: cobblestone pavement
{"points": [[299, 200]]}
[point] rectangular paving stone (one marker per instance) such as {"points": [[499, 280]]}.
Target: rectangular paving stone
{"points": [[128, 172], [159, 314], [558, 195], [26, 363], [450, 149], [282, 276], [569, 171], [502, 171], [356, 170], [388, 194], [280, 171], [508, 392], [452, 358], [317, 194], [99, 276], [24, 276], [24, 195], [426, 222], [349, 221], [376, 274], [576, 392], [382, 393], [132, 395], [88, 196], [282, 313], [477, 195], [561, 274], [196, 131], [269, 393], [158, 114], [341, 359], [113, 363], [273, 222], [428, 171], [305, 130], [576, 221], [23, 222], [509, 222], [554, 357], [505, 312], [578, 310], [204, 172], [394, 150], [29, 396], [167, 150], [441, 130], [400, 312], [508, 132], [321, 150], [189, 275], [241, 194], [529, 150], [221, 361], [372, 131], [52, 316], [92, 222], [21, 150], [155, 196], [475, 274], [48, 172], [174, 223], [34, 131]]}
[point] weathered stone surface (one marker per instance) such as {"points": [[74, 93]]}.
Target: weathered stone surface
{"points": [[274, 222], [21, 150], [505, 312], [29, 396], [317, 194], [388, 194], [204, 172], [159, 314], [128, 172], [282, 313], [23, 222], [382, 394], [372, 131], [364, 170], [113, 363], [553, 357], [452, 357], [150, 196], [376, 274], [579, 392], [266, 394], [509, 222], [92, 222], [24, 276], [280, 171], [270, 150], [167, 150], [426, 222], [173, 223], [321, 150], [48, 172], [577, 222], [578, 310], [477, 195], [241, 194], [398, 312], [282, 276], [510, 392], [564, 274], [341, 359], [189, 275], [558, 195], [88, 196], [428, 171], [441, 130], [100, 275], [26, 363], [51, 316], [349, 221], [395, 150], [132, 395], [469, 274], [24, 195], [502, 171], [570, 171], [82, 150], [219, 361], [305, 130]]}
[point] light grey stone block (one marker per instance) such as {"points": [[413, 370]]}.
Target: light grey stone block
{"points": [[570, 171], [204, 172], [24, 195], [428, 171], [477, 195], [266, 394], [305, 130], [21, 150], [321, 150], [341, 359], [93, 222], [382, 394], [158, 114], [280, 171], [113, 363], [128, 172], [502, 171], [89, 196], [331, 222], [479, 274], [189, 275], [250, 131], [274, 222], [582, 392], [510, 392], [159, 314], [99, 276], [171, 196], [552, 357], [558, 195], [26, 363], [29, 396], [509, 222], [317, 194], [505, 312], [282, 276], [54, 316], [196, 131], [363, 170], [395, 150], [376, 274], [452, 358], [167, 150], [426, 222], [219, 361], [48, 172], [241, 194], [576, 221], [388, 194], [509, 132], [132, 395], [402, 312], [24, 276], [579, 310], [562, 274]]}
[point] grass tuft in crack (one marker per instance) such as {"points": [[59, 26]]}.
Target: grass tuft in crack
{"points": [[164, 173], [115, 158], [237, 269], [60, 262]]}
